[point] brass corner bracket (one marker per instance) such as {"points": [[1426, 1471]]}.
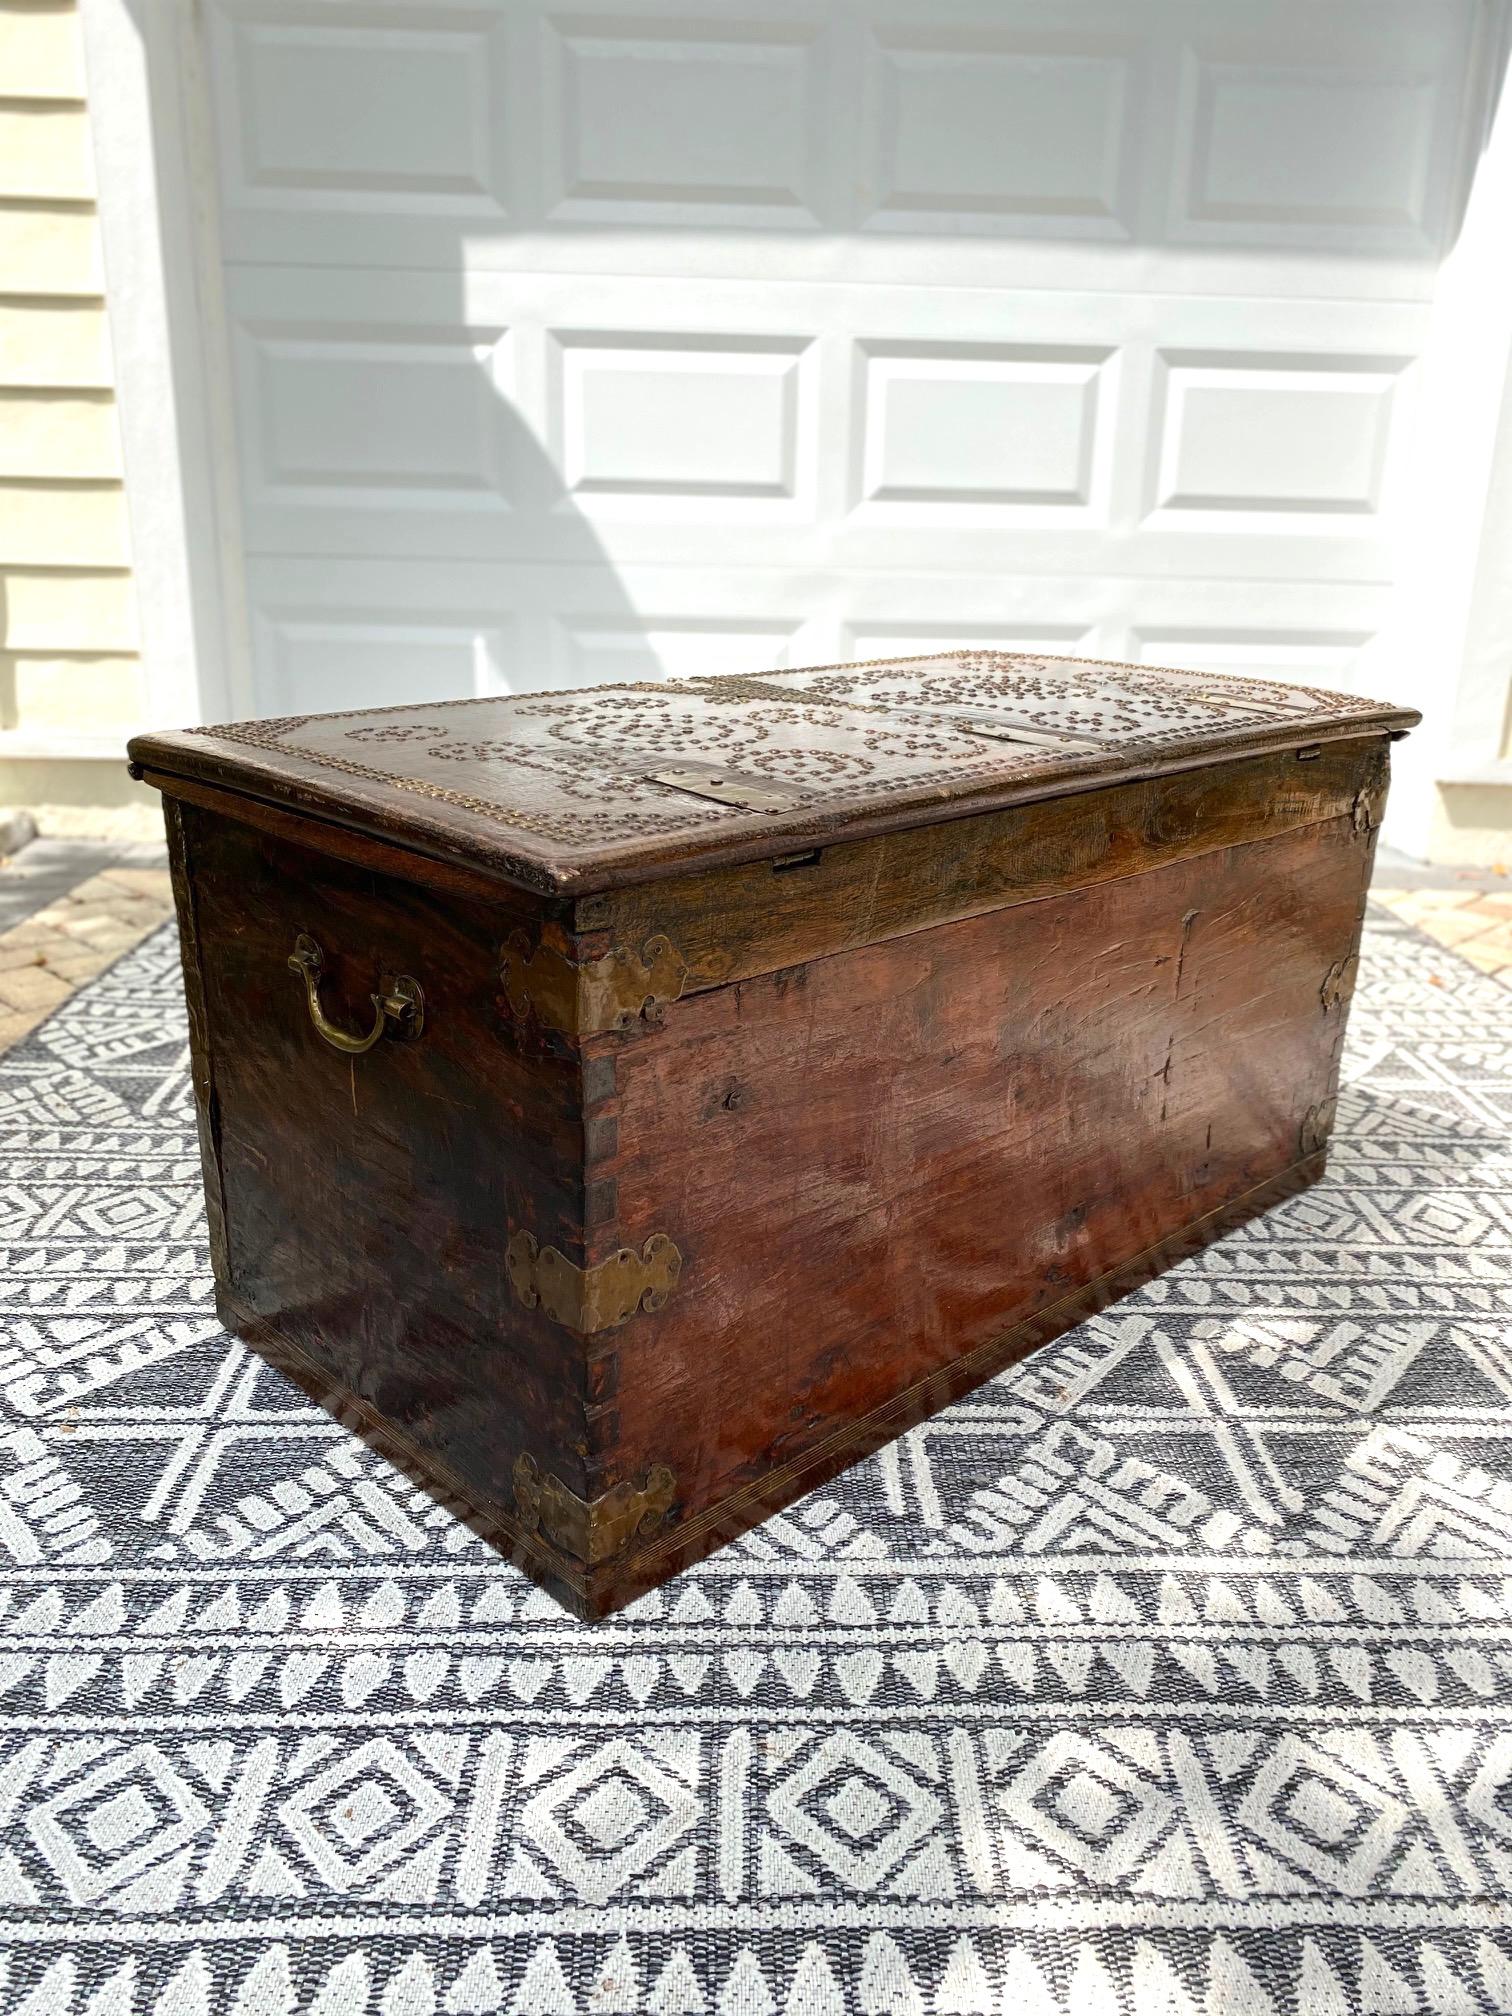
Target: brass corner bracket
{"points": [[591, 1530], [590, 1299], [615, 991]]}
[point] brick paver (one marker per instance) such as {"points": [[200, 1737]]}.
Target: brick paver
{"points": [[1475, 923], [72, 938]]}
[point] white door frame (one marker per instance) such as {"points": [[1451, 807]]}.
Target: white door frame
{"points": [[1452, 621], [149, 113]]}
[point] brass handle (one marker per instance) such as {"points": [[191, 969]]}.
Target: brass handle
{"points": [[400, 1008]]}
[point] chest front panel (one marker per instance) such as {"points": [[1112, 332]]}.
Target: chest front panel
{"points": [[877, 1164]]}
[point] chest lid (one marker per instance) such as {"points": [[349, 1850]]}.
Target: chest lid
{"points": [[571, 792]]}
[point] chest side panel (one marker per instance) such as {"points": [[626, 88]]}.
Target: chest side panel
{"points": [[367, 1200], [878, 1163]]}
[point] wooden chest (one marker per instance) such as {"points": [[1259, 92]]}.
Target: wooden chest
{"points": [[637, 1104]]}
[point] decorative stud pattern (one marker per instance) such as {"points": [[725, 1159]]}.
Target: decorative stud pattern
{"points": [[574, 767]]}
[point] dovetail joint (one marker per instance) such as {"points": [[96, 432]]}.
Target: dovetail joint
{"points": [[590, 1299], [1338, 982], [1369, 805], [1317, 1125]]}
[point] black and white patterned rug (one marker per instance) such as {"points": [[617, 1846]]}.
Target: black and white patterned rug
{"points": [[1168, 1673]]}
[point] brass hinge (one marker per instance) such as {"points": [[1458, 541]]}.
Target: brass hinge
{"points": [[1278, 700], [616, 991], [1339, 982], [591, 1299], [1259, 711], [994, 729], [591, 1530]]}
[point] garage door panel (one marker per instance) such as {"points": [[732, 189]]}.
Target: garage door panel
{"points": [[672, 426], [1019, 430], [357, 632], [1369, 100], [1005, 127], [813, 429], [620, 338], [1335, 659], [366, 111], [407, 134], [1271, 438], [338, 418], [708, 119], [316, 656]]}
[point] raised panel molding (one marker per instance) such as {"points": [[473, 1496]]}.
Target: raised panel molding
{"points": [[314, 659], [376, 422], [884, 143], [691, 420], [1336, 153], [367, 108], [595, 650], [901, 640], [988, 129], [369, 625], [1262, 436], [1020, 428], [656, 120]]}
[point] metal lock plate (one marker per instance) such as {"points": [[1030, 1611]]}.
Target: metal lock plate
{"points": [[727, 787]]}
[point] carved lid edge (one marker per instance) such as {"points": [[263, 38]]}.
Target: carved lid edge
{"points": [[255, 761], [448, 834]]}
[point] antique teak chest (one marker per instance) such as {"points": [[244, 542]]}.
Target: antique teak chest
{"points": [[634, 1105]]}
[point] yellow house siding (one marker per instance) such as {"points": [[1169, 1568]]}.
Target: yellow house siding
{"points": [[44, 150], [53, 344], [53, 609], [40, 48], [44, 522], [57, 436], [56, 693], [50, 248], [69, 670]]}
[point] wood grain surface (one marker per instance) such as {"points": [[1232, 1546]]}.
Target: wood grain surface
{"points": [[368, 1200], [731, 923], [875, 1163]]}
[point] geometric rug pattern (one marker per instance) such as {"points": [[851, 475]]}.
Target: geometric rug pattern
{"points": [[1170, 1672]]}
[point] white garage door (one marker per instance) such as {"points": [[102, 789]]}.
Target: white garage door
{"points": [[575, 342]]}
